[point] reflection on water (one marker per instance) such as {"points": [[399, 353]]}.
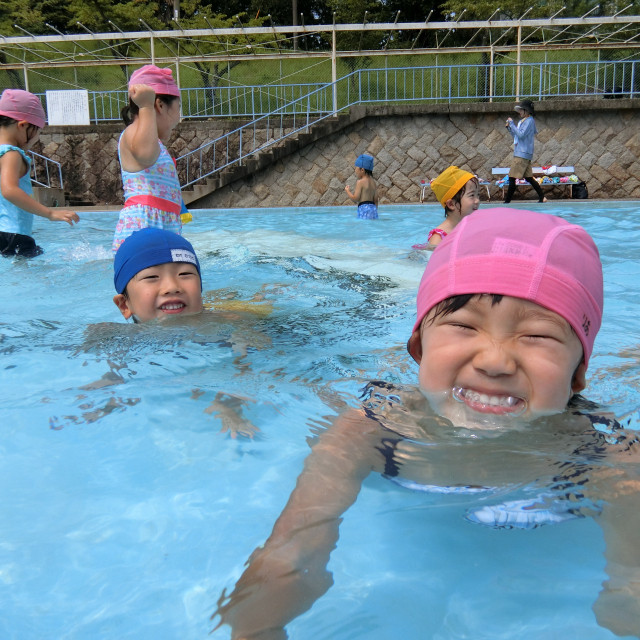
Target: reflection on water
{"points": [[143, 464]]}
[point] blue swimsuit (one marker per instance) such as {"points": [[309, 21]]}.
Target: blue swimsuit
{"points": [[16, 224], [367, 211]]}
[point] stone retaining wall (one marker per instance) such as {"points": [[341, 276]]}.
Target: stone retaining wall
{"points": [[89, 155], [601, 138], [602, 142]]}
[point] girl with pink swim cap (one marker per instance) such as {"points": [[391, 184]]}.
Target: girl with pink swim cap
{"points": [[21, 119], [508, 310], [149, 178]]}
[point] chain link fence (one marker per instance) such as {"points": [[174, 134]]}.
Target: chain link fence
{"points": [[253, 88]]}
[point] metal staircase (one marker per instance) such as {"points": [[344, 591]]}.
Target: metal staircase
{"points": [[264, 140]]}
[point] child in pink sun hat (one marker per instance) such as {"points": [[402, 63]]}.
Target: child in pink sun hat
{"points": [[149, 177], [507, 313], [21, 119]]}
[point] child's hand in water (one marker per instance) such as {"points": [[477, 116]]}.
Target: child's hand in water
{"points": [[228, 408], [142, 95], [63, 215]]}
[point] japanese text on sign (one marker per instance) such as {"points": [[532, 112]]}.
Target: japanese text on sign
{"points": [[68, 107]]}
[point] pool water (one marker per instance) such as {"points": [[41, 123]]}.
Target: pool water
{"points": [[127, 509]]}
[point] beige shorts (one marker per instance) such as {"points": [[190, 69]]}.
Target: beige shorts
{"points": [[520, 168]]}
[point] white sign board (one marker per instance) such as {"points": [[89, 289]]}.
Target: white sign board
{"points": [[68, 107]]}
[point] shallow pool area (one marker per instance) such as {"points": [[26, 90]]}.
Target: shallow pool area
{"points": [[128, 509]]}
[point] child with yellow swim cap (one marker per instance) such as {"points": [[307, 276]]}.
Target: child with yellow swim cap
{"points": [[458, 192]]}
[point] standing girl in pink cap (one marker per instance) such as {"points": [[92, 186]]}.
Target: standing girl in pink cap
{"points": [[21, 119], [149, 177], [508, 310]]}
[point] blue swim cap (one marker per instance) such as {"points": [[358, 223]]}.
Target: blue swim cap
{"points": [[365, 162], [147, 248]]}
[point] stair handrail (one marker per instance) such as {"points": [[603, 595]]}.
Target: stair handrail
{"points": [[280, 112], [513, 83], [47, 161]]}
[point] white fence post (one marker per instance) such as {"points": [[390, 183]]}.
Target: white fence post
{"points": [[334, 72], [491, 76], [518, 62]]}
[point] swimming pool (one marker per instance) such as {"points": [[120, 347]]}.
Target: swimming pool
{"points": [[125, 512]]}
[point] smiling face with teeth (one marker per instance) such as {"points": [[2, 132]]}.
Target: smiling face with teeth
{"points": [[506, 358], [168, 289]]}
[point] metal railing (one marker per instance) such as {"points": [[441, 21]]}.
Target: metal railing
{"points": [[396, 85], [209, 102], [408, 85], [243, 101], [45, 172], [495, 82], [258, 135]]}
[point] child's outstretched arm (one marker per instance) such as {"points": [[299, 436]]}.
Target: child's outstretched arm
{"points": [[355, 196], [11, 168], [141, 138], [288, 574]]}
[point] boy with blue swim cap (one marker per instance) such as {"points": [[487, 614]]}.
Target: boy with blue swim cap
{"points": [[157, 274], [366, 192]]}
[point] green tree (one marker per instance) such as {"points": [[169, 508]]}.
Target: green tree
{"points": [[197, 15]]}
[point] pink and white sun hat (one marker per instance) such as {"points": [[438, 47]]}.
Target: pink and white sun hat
{"points": [[22, 105], [534, 256], [160, 80]]}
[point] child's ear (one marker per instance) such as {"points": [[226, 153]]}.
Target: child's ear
{"points": [[579, 379], [414, 346], [450, 205], [122, 303]]}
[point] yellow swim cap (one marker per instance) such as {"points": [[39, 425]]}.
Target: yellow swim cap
{"points": [[449, 182]]}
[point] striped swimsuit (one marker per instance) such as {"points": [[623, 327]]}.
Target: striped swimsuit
{"points": [[152, 198]]}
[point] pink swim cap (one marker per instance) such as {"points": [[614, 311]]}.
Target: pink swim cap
{"points": [[22, 105], [160, 80], [534, 256]]}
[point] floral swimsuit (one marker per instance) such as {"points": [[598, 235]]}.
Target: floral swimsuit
{"points": [[152, 198]]}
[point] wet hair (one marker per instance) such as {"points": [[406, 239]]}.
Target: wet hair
{"points": [[455, 303], [369, 173], [130, 111], [6, 121], [458, 197]]}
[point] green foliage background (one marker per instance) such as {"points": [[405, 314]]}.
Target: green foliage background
{"points": [[96, 15]]}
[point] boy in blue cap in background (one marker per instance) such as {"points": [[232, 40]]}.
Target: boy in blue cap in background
{"points": [[366, 192], [157, 274]]}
